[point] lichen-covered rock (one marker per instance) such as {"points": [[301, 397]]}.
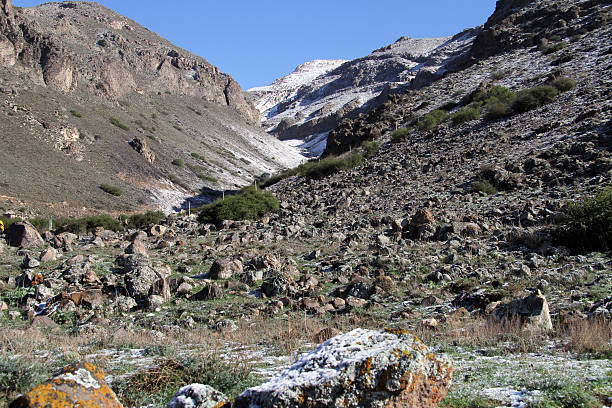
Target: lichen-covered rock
{"points": [[362, 368], [198, 396], [77, 385]]}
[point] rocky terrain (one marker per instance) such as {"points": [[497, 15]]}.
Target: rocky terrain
{"points": [[449, 229], [88, 92]]}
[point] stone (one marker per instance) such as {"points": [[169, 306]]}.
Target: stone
{"points": [[532, 311], [225, 268], [139, 276], [136, 247], [23, 235], [29, 262], [48, 255], [157, 230], [362, 368], [80, 384], [3, 306], [209, 292], [198, 396], [140, 145], [184, 289]]}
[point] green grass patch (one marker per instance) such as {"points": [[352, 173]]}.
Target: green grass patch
{"points": [[110, 189], [564, 84], [118, 123], [484, 186], [533, 98], [18, 376], [467, 402], [76, 114], [178, 162], [250, 204], [199, 172]]}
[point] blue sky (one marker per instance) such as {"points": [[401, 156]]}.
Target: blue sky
{"points": [[259, 41]]}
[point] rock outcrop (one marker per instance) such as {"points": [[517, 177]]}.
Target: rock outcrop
{"points": [[532, 311], [356, 369], [79, 385]]}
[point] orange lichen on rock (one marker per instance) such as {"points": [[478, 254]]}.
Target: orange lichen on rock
{"points": [[80, 384]]}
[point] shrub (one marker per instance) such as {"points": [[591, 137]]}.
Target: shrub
{"points": [[484, 186], [110, 189], [465, 115], [532, 98], [495, 94], [198, 156], [178, 162], [87, 224], [76, 114], [498, 110], [199, 172], [144, 220], [250, 204], [400, 135], [156, 385], [370, 148], [17, 376], [330, 165], [588, 223], [553, 48], [40, 223], [9, 221], [564, 84], [432, 119], [117, 123]]}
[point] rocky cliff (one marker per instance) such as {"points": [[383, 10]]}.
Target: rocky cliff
{"points": [[86, 91]]}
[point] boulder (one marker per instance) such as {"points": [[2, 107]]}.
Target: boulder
{"points": [[209, 292], [532, 311], [80, 384], [24, 235], [48, 255], [362, 368], [198, 396], [136, 247], [225, 268]]}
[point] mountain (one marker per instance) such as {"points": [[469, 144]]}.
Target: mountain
{"points": [[91, 98], [306, 106]]}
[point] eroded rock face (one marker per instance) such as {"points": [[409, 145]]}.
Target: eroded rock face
{"points": [[75, 385], [362, 368]]}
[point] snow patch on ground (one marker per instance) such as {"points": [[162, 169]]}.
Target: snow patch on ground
{"points": [[313, 146]]}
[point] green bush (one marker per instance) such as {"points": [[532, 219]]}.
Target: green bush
{"points": [[76, 114], [370, 148], [199, 172], [17, 376], [588, 223], [156, 385], [145, 220], [432, 119], [484, 186], [465, 115], [117, 123], [400, 135], [498, 110], [564, 84], [533, 98], [553, 48], [495, 94], [9, 221], [250, 204], [40, 223], [110, 189], [178, 162], [330, 165], [87, 224]]}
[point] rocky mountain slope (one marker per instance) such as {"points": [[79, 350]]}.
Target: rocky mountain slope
{"points": [[90, 97], [447, 228], [312, 106]]}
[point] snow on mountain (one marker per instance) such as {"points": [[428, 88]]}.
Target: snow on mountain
{"points": [[266, 97], [314, 98]]}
